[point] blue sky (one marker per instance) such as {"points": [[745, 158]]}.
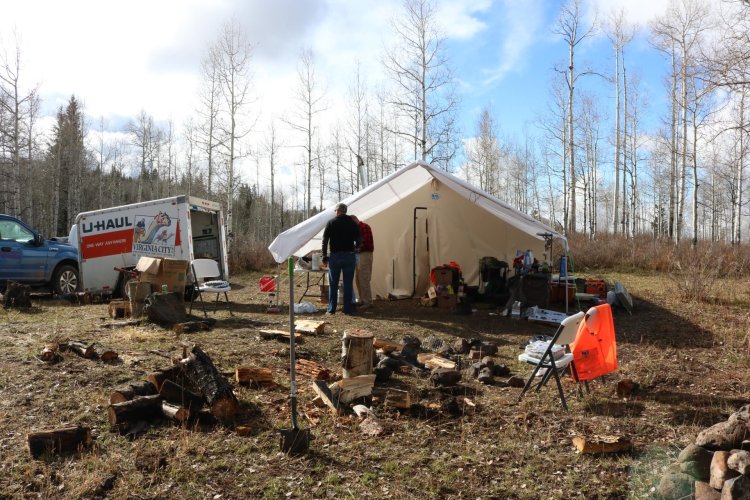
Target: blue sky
{"points": [[122, 57]]}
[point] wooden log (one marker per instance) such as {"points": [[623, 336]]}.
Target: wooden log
{"points": [[180, 396], [280, 335], [173, 373], [55, 441], [324, 393], [50, 353], [356, 352], [431, 360], [602, 444], [202, 373], [132, 391], [83, 349], [251, 375], [310, 326], [174, 412], [110, 325], [349, 389], [386, 345], [312, 369], [103, 353], [122, 416], [191, 326], [397, 398]]}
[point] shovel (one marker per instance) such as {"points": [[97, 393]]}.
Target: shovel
{"points": [[294, 440]]}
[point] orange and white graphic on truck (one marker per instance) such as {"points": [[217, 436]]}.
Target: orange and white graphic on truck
{"points": [[103, 244]]}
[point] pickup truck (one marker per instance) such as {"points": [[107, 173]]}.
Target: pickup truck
{"points": [[27, 257]]}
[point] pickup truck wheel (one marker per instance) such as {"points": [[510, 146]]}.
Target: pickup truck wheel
{"points": [[65, 280]]}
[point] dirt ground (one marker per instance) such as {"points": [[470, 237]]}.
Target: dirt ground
{"points": [[471, 441]]}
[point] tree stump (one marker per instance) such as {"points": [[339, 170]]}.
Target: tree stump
{"points": [[356, 352], [17, 296]]}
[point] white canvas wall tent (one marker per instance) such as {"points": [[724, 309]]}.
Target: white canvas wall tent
{"points": [[423, 217]]}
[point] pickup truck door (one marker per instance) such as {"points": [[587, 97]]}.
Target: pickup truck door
{"points": [[20, 259]]}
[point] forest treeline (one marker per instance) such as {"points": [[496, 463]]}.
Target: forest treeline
{"points": [[588, 167]]}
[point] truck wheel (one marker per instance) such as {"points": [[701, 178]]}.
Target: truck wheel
{"points": [[66, 280]]}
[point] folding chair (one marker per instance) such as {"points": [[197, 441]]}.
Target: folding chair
{"points": [[595, 347], [206, 278], [566, 334]]}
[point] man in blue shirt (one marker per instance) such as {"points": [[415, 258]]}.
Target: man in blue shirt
{"points": [[342, 233]]}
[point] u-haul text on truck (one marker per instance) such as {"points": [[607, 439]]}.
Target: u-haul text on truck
{"points": [[180, 227]]}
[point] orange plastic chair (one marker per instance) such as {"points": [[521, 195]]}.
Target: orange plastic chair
{"points": [[595, 348]]}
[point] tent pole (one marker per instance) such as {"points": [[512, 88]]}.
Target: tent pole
{"points": [[414, 252]]}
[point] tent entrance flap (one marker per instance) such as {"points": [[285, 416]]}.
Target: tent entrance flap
{"points": [[426, 244]]}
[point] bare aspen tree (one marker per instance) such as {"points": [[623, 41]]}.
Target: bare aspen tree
{"points": [[590, 138], [169, 160], [15, 105], [420, 72], [209, 126], [309, 96], [358, 124], [573, 33], [31, 136], [271, 147], [232, 55], [619, 35], [144, 137], [680, 31], [190, 145], [483, 155]]}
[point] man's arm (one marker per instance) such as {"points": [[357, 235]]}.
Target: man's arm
{"points": [[326, 237]]}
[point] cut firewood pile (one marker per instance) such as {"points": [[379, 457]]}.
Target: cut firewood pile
{"points": [[367, 362], [178, 393]]}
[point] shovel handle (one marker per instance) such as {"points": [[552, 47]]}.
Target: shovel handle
{"points": [[292, 361]]}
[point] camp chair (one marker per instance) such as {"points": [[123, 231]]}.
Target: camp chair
{"points": [[566, 334], [207, 279], [595, 348]]}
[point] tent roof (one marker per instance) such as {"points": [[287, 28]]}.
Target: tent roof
{"points": [[307, 235]]}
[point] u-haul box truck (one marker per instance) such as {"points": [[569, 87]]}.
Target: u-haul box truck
{"points": [[111, 240]]}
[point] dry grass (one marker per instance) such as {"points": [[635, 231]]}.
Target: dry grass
{"points": [[688, 357]]}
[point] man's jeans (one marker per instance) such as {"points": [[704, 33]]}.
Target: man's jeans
{"points": [[340, 262]]}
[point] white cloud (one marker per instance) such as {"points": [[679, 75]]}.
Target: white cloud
{"points": [[520, 27], [459, 17], [636, 12]]}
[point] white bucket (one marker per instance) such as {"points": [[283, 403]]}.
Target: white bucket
{"points": [[315, 261]]}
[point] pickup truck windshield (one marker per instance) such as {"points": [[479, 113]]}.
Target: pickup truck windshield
{"points": [[10, 230]]}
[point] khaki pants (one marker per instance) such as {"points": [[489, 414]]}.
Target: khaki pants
{"points": [[363, 277]]}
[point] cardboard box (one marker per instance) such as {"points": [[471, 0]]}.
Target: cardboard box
{"points": [[443, 276], [158, 272], [446, 301]]}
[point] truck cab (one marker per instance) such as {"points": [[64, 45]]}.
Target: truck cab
{"points": [[27, 257]]}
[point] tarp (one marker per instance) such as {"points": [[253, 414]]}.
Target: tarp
{"points": [[422, 217]]}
